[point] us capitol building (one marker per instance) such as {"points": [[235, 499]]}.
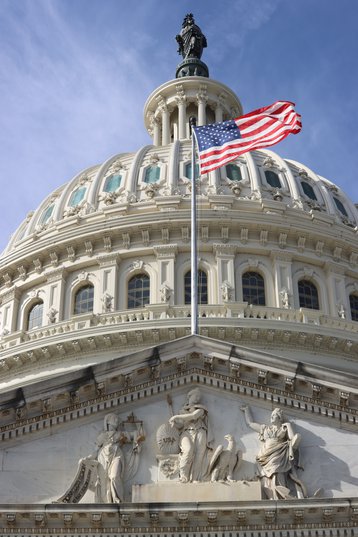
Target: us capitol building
{"points": [[114, 418]]}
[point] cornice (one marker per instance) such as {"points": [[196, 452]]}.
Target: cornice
{"points": [[334, 517], [87, 240], [136, 378], [121, 331]]}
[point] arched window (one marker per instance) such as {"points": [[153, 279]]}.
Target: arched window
{"points": [[233, 172], [340, 206], [308, 295], [152, 174], [272, 179], [353, 301], [138, 291], [84, 300], [34, 317], [253, 288], [308, 190], [202, 287]]}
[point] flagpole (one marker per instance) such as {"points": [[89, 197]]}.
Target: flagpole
{"points": [[194, 254]]}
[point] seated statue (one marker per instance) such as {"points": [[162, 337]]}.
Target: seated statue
{"points": [[278, 457], [107, 469]]}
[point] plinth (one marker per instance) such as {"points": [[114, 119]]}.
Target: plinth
{"points": [[196, 492]]}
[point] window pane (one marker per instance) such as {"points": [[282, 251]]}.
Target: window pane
{"points": [[340, 206], [84, 300], [308, 295], [253, 288], [188, 170], [138, 291], [202, 287], [152, 174], [308, 190], [112, 183], [273, 179], [34, 319], [46, 214], [353, 301], [77, 196], [233, 172]]}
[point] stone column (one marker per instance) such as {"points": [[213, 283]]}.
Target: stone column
{"points": [[283, 291], [166, 255], [54, 308], [108, 276], [219, 109], [202, 98], [338, 302], [218, 113], [155, 129], [9, 311], [181, 102], [225, 257], [164, 110]]}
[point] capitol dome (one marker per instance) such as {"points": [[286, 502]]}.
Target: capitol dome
{"points": [[104, 261]]}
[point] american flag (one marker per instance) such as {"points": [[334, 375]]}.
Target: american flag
{"points": [[219, 143]]}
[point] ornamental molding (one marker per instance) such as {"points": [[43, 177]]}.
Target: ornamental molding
{"points": [[222, 249], [235, 322], [166, 251], [108, 260], [13, 294], [20, 266], [335, 517]]}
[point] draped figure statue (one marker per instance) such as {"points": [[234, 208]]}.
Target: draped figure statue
{"points": [[114, 462], [278, 457], [192, 424], [191, 40]]}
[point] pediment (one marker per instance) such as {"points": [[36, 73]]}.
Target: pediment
{"points": [[40, 452], [135, 378]]}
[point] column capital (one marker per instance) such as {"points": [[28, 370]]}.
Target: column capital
{"points": [[227, 250], [167, 251]]}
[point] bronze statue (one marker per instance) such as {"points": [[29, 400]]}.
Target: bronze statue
{"points": [[191, 40]]}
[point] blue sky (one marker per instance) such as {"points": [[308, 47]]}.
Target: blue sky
{"points": [[75, 74]]}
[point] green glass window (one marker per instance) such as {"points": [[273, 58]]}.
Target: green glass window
{"points": [[112, 183], [233, 172], [253, 288], [308, 295], [202, 287], [188, 170], [353, 301], [272, 179], [46, 215], [340, 206], [308, 190], [138, 291], [77, 196], [34, 318], [84, 300], [152, 174]]}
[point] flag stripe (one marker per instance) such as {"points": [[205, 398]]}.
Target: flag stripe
{"points": [[220, 143]]}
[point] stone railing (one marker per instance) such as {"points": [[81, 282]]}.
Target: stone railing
{"points": [[161, 313]]}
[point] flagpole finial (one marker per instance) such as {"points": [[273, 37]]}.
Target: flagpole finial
{"points": [[192, 123]]}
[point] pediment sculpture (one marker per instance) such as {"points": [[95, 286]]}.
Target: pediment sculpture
{"points": [[187, 457], [114, 462]]}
